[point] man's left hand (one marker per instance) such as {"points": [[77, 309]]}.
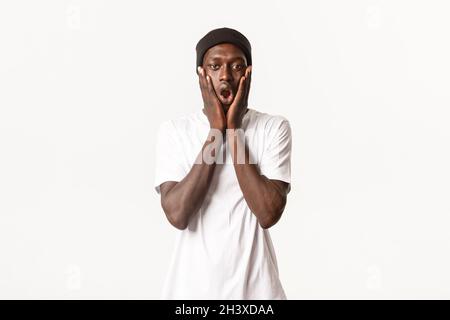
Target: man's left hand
{"points": [[238, 108]]}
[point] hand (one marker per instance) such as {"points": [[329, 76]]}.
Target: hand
{"points": [[238, 108], [212, 105]]}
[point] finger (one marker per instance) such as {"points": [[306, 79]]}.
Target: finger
{"points": [[212, 96], [248, 71], [203, 81], [215, 102], [203, 86], [201, 74], [248, 75], [211, 87], [248, 82], [241, 89]]}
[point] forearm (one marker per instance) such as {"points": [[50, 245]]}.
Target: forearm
{"points": [[263, 197], [187, 196]]}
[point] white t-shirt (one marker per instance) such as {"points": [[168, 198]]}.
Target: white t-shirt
{"points": [[223, 253]]}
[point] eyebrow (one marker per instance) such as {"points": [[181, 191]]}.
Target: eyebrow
{"points": [[219, 58]]}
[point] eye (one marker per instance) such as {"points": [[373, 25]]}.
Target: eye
{"points": [[238, 66], [214, 66]]}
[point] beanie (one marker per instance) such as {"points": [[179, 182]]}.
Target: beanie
{"points": [[223, 35]]}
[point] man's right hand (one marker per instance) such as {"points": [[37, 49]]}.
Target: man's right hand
{"points": [[212, 106]]}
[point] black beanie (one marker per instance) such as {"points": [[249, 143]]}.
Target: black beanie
{"points": [[223, 35]]}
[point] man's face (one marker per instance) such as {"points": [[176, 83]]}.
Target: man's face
{"points": [[225, 63]]}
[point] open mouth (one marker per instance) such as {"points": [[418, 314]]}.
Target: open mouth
{"points": [[226, 95]]}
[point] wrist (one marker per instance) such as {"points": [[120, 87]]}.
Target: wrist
{"points": [[221, 128], [233, 126]]}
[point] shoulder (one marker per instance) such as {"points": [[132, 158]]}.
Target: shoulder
{"points": [[180, 124], [268, 122]]}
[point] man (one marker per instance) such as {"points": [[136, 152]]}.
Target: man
{"points": [[223, 174]]}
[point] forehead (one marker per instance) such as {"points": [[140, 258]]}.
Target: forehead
{"points": [[225, 51]]}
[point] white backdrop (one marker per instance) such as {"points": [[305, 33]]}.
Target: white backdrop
{"points": [[85, 84]]}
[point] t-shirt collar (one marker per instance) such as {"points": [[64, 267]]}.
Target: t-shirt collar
{"points": [[204, 118]]}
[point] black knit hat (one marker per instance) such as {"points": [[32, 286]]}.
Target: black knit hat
{"points": [[223, 35]]}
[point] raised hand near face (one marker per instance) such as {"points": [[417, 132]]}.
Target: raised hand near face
{"points": [[212, 106], [239, 106]]}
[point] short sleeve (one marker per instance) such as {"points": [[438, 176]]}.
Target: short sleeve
{"points": [[168, 162], [276, 158]]}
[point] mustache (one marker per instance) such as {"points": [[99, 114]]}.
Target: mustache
{"points": [[225, 86]]}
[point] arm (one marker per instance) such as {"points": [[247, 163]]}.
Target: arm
{"points": [[266, 198], [180, 200]]}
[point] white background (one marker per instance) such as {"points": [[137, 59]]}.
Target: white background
{"points": [[85, 84]]}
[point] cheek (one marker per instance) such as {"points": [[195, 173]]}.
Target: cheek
{"points": [[215, 86], [215, 82], [238, 76]]}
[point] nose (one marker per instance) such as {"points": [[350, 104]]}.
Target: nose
{"points": [[225, 73]]}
